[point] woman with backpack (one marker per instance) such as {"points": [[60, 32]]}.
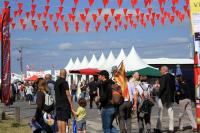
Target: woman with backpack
{"points": [[40, 101], [144, 104]]}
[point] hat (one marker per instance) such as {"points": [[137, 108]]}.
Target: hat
{"points": [[104, 73], [114, 69]]}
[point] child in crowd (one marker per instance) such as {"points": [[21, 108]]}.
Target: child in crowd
{"points": [[81, 115]]}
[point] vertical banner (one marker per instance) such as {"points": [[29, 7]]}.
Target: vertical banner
{"points": [[195, 21], [5, 54]]}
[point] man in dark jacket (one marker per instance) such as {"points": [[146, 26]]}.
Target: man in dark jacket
{"points": [[184, 100], [166, 97], [107, 108]]}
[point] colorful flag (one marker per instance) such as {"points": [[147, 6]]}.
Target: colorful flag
{"points": [[120, 78], [5, 60]]}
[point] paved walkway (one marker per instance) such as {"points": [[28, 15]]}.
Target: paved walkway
{"points": [[94, 120]]}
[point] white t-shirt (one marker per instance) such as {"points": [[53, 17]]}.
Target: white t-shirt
{"points": [[144, 90], [29, 90]]}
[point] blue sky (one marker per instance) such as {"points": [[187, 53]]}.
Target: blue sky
{"points": [[46, 48]]}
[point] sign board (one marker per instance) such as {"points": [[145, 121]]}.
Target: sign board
{"points": [[195, 15]]}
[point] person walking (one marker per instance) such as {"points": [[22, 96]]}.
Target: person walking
{"points": [[73, 88], [64, 103], [166, 98], [29, 93], [93, 90], [40, 101], [144, 104], [50, 84], [107, 108], [125, 110], [185, 104]]}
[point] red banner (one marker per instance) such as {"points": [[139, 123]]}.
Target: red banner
{"points": [[5, 60]]}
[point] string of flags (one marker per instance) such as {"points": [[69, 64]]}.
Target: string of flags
{"points": [[98, 19]]}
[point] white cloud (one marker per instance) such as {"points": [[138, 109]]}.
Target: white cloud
{"points": [[65, 45], [178, 40], [23, 39]]}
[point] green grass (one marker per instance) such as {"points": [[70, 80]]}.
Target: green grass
{"points": [[10, 126]]}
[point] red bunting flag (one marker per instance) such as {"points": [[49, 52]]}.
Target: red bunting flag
{"points": [[125, 11], [39, 15], [21, 21], [48, 1], [33, 7], [157, 16], [134, 2], [57, 15], [76, 2], [150, 10], [120, 23], [119, 3], [33, 22], [82, 17], [60, 8], [112, 10], [13, 25], [35, 27], [134, 26], [185, 8], [32, 14], [162, 10], [173, 9], [33, 1], [147, 16], [153, 15], [130, 16], [27, 14], [153, 22], [172, 19], [174, 2], [50, 17], [46, 28], [99, 11], [62, 17], [91, 2], [106, 17], [57, 28], [98, 23], [20, 12], [126, 18], [137, 10], [187, 2], [105, 2], [66, 26], [44, 23], [15, 13], [55, 24], [77, 26], [109, 23], [106, 28], [45, 14], [137, 17], [125, 26], [96, 28], [11, 20], [94, 17], [73, 10], [6, 3], [86, 11], [20, 5], [24, 26], [47, 8], [163, 20], [62, 1], [116, 27]]}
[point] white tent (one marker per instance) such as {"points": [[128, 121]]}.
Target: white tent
{"points": [[92, 63], [134, 62], [69, 65], [101, 61], [120, 58], [107, 65], [84, 63], [76, 64]]}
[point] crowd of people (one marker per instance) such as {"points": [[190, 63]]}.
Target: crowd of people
{"points": [[57, 100]]}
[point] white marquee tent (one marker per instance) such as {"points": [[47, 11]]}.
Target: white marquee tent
{"points": [[120, 58], [107, 65]]}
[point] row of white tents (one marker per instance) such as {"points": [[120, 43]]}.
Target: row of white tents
{"points": [[132, 62]]}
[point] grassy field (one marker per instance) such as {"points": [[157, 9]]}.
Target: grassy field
{"points": [[10, 126]]}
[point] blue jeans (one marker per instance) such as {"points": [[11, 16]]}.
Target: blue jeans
{"points": [[74, 96], [107, 116]]}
